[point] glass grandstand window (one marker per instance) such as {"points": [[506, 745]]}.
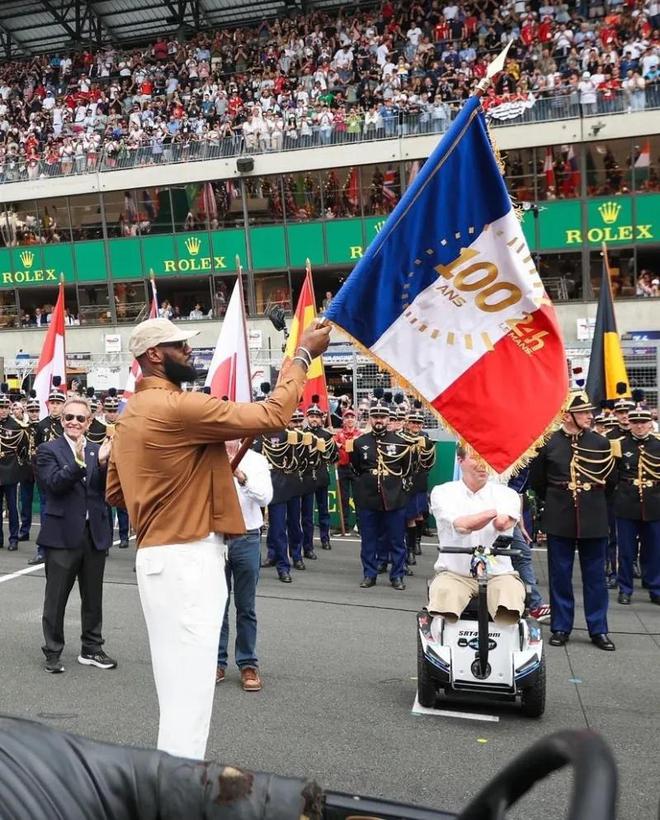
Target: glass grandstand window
{"points": [[223, 287], [302, 201], [86, 219], [561, 274], [608, 167], [228, 203], [271, 290], [380, 188], [131, 301], [520, 174], [645, 160], [267, 197], [19, 224], [559, 172], [54, 219], [178, 298], [622, 264], [136, 212], [40, 301], [9, 313], [94, 306]]}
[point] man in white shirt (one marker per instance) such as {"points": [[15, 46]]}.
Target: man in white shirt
{"points": [[255, 490], [471, 512]]}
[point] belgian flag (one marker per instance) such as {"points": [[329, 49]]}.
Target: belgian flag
{"points": [[607, 379]]}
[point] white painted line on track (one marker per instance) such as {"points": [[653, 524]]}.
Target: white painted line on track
{"points": [[28, 570], [422, 710]]}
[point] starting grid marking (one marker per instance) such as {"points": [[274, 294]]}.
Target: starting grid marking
{"points": [[417, 709]]}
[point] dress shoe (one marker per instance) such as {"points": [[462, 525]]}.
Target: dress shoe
{"points": [[624, 598], [326, 545], [382, 567], [603, 642], [268, 562], [36, 559], [13, 546], [397, 583], [250, 680], [311, 555], [559, 638], [284, 577], [367, 582], [655, 599], [219, 674], [299, 565], [54, 666], [612, 582], [123, 545]]}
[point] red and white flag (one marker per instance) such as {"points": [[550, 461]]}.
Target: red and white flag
{"points": [[549, 168], [52, 361], [135, 373], [229, 372]]}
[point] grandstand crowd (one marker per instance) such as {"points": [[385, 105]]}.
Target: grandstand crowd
{"points": [[322, 77]]}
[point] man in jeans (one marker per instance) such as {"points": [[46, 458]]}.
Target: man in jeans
{"points": [[255, 490]]}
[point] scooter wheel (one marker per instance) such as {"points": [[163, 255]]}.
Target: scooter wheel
{"points": [[427, 691], [532, 699]]}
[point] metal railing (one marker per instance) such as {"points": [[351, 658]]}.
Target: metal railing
{"points": [[433, 120]]}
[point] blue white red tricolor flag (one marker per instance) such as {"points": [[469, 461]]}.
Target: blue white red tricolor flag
{"points": [[449, 300], [135, 373]]}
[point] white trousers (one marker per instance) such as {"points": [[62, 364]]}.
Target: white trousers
{"points": [[183, 592]]}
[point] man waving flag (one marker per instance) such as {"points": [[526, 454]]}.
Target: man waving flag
{"points": [[449, 300]]}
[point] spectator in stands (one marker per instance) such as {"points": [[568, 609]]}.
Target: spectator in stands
{"points": [[648, 285]]}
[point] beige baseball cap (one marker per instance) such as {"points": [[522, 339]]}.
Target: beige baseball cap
{"points": [[154, 332]]}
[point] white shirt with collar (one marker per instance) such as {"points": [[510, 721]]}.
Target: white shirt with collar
{"points": [[455, 499], [257, 492]]}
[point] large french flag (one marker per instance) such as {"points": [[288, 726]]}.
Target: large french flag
{"points": [[52, 361], [135, 372], [229, 372], [448, 299]]}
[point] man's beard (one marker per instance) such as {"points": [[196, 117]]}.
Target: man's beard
{"points": [[178, 373]]}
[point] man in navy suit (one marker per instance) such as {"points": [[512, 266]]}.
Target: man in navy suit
{"points": [[75, 533]]}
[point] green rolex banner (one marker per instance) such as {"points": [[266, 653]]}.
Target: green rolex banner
{"points": [[607, 379]]}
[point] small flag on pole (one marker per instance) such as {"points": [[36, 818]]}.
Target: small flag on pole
{"points": [[304, 316], [607, 379], [229, 373], [52, 361], [448, 299]]}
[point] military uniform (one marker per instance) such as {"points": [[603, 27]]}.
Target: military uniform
{"points": [[418, 501], [344, 439], [322, 452], [99, 431], [637, 508], [614, 432], [284, 537], [13, 453], [573, 474], [383, 463], [27, 471]]}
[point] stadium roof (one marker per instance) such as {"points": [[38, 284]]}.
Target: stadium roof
{"points": [[41, 26]]}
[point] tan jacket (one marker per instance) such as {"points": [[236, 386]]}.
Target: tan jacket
{"points": [[169, 467]]}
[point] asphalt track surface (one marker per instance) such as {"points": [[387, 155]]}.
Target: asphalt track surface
{"points": [[339, 667]]}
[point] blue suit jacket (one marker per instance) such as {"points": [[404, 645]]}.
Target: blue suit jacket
{"points": [[72, 493]]}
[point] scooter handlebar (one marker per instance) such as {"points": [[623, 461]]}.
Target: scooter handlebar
{"points": [[470, 551]]}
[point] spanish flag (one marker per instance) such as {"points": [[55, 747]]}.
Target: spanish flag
{"points": [[607, 379], [304, 316]]}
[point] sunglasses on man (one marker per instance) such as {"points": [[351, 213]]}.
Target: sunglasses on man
{"points": [[74, 416]]}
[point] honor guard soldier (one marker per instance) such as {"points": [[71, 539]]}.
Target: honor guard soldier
{"points": [[344, 440], [13, 452], [617, 429], [27, 469], [573, 473], [48, 429], [637, 505], [322, 452], [96, 432], [282, 452], [418, 501], [383, 463], [110, 406]]}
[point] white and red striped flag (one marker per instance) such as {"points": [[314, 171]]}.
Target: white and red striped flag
{"points": [[229, 372], [52, 361], [549, 168], [135, 373]]}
